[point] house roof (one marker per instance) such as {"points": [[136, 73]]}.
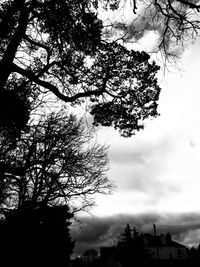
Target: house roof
{"points": [[176, 244], [161, 241]]}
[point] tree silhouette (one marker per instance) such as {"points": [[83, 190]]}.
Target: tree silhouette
{"points": [[57, 162], [131, 248], [58, 46], [127, 234]]}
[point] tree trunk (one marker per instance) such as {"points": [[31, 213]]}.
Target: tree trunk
{"points": [[15, 40]]}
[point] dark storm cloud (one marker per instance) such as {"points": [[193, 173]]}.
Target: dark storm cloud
{"points": [[92, 229], [97, 232]]}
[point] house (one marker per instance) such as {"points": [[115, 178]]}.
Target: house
{"points": [[151, 247], [163, 247]]}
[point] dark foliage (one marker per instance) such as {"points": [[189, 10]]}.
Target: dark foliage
{"points": [[36, 237], [14, 110], [131, 84]]}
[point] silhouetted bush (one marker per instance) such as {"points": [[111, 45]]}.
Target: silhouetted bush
{"points": [[37, 237]]}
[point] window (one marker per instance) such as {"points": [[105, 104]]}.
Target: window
{"points": [[179, 253]]}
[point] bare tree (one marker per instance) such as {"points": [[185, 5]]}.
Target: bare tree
{"points": [[56, 163]]}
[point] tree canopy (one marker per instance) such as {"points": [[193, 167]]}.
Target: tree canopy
{"points": [[61, 48], [58, 46]]}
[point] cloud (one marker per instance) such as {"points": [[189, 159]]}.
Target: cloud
{"points": [[159, 167], [94, 232], [139, 164]]}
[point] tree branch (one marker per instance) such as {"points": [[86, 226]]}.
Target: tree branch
{"points": [[32, 77], [9, 55], [33, 42], [180, 16]]}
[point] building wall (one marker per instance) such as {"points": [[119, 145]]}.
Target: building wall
{"points": [[166, 253]]}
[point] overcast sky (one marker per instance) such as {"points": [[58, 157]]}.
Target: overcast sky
{"points": [[157, 171]]}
